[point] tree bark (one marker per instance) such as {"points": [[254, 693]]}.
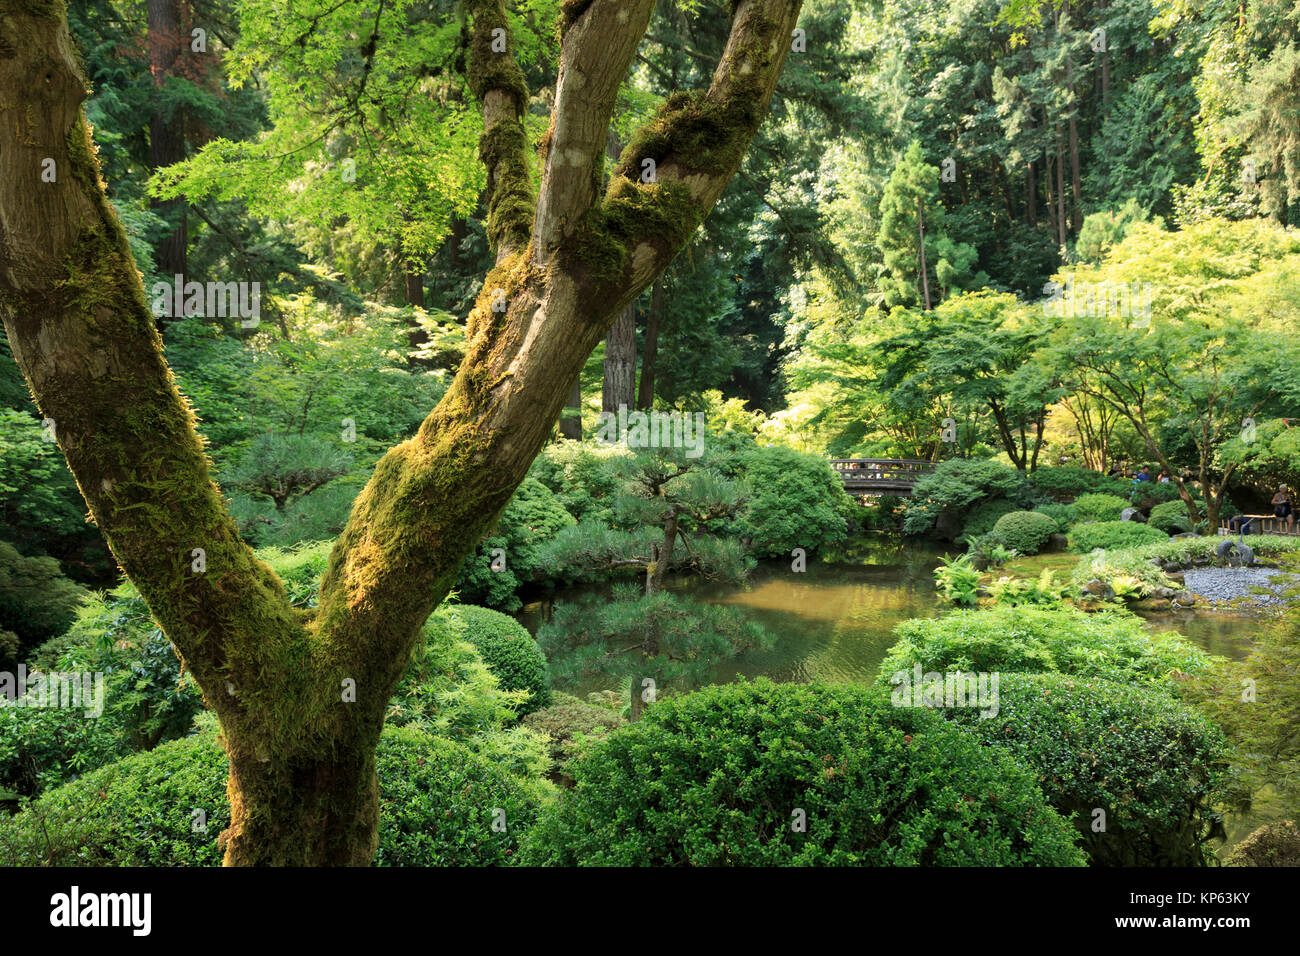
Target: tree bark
{"points": [[1031, 195], [620, 362], [645, 398], [1062, 232], [920, 232], [302, 786]]}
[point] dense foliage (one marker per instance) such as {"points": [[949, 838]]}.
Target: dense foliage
{"points": [[1150, 764], [1024, 531], [1113, 535], [782, 774], [1113, 645], [166, 807]]}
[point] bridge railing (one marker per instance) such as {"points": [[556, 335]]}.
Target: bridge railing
{"points": [[887, 470]]}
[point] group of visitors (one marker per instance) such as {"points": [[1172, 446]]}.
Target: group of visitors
{"points": [[1142, 474]]}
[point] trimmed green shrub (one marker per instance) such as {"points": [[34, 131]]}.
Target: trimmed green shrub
{"points": [[437, 801], [954, 486], [1067, 481], [984, 516], [1110, 644], [1171, 517], [1150, 762], [1113, 535], [717, 776], [507, 649], [1100, 507], [1025, 531], [795, 500], [533, 516], [569, 720], [1063, 515]]}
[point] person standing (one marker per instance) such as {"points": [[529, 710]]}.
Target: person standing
{"points": [[1283, 507]]}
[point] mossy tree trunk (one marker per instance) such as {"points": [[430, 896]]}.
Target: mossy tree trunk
{"points": [[301, 695]]}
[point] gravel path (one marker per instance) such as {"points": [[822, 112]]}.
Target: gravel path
{"points": [[1231, 585]]}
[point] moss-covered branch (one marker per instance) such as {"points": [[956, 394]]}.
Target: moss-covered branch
{"points": [[600, 38], [498, 81], [694, 145]]}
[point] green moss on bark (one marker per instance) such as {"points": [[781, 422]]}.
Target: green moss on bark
{"points": [[488, 69], [664, 213]]}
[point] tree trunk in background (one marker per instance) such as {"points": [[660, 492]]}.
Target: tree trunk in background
{"points": [[413, 294], [1062, 233], [1031, 195], [645, 398], [167, 44], [619, 387], [414, 286], [300, 693], [1075, 217], [925, 274], [1105, 64], [620, 362], [571, 417]]}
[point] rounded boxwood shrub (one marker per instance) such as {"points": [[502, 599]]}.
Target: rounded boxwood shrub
{"points": [[1100, 507], [568, 719], [166, 807], [507, 649], [1110, 644], [1170, 517], [1149, 762], [729, 776], [1113, 535], [796, 500], [985, 516], [1273, 844], [1026, 531]]}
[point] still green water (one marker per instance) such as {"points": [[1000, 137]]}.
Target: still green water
{"points": [[834, 622]]}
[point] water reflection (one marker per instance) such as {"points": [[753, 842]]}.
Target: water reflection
{"points": [[835, 621]]}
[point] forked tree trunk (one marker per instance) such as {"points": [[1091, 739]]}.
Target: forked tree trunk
{"points": [[301, 694]]}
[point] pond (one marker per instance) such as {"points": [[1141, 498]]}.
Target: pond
{"points": [[834, 622]]}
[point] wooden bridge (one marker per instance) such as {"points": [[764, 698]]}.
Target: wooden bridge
{"points": [[881, 476]]}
